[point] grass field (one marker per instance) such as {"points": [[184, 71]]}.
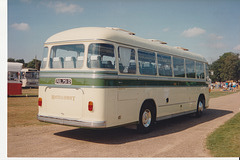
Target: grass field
{"points": [[22, 110], [218, 93], [225, 141]]}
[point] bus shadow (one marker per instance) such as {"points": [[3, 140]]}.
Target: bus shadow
{"points": [[123, 135]]}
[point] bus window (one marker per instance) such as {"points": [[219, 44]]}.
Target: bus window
{"points": [[127, 63], [164, 65], [44, 59], [101, 56], [190, 68], [200, 70], [147, 64], [178, 66], [207, 70], [13, 76], [66, 56]]}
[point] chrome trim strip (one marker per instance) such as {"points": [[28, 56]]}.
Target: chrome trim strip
{"points": [[72, 122], [177, 103], [174, 115]]}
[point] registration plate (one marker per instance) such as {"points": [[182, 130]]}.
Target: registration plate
{"points": [[63, 81]]}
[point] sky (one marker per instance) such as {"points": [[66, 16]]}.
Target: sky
{"points": [[207, 27]]}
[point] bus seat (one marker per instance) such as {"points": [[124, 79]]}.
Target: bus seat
{"points": [[95, 61], [69, 62], [109, 65], [57, 62], [132, 68], [79, 62]]}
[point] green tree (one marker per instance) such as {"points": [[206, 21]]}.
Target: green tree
{"points": [[21, 61], [11, 60], [227, 67], [35, 63]]}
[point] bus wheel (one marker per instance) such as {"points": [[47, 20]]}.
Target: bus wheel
{"points": [[146, 118], [200, 106]]}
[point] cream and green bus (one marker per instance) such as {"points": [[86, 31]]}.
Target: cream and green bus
{"points": [[105, 77]]}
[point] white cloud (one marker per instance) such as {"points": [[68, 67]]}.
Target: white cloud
{"points": [[20, 26], [237, 48], [215, 37], [217, 45], [60, 7], [165, 30], [192, 32]]}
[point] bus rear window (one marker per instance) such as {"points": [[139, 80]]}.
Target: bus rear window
{"points": [[101, 56], [67, 56]]}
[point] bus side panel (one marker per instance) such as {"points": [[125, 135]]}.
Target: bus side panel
{"points": [[111, 108], [127, 107], [14, 88], [97, 96]]}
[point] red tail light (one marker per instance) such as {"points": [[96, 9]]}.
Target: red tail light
{"points": [[90, 106], [40, 102]]}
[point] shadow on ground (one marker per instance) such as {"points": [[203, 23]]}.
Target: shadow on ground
{"points": [[124, 135]]}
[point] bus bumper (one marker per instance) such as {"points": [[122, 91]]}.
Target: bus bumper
{"points": [[72, 122]]}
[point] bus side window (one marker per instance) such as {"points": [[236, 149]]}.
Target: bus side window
{"points": [[200, 70], [164, 65], [178, 66], [95, 61], [127, 62], [190, 68], [101, 55], [147, 63]]}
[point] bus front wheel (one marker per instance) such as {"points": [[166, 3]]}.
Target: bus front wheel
{"points": [[146, 118]]}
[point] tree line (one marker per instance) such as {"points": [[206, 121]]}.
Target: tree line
{"points": [[227, 67], [35, 63]]}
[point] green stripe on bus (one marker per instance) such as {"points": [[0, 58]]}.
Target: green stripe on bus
{"points": [[120, 83]]}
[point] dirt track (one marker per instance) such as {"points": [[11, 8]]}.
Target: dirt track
{"points": [[179, 137]]}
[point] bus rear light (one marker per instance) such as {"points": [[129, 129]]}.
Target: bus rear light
{"points": [[90, 106], [40, 102]]}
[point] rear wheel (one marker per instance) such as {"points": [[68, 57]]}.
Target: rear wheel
{"points": [[200, 107], [146, 118]]}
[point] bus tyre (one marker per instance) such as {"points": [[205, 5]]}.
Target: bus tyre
{"points": [[146, 118], [200, 106]]}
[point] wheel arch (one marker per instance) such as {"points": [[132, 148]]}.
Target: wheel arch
{"points": [[153, 105], [202, 96]]}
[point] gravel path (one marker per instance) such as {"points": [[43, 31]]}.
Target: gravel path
{"points": [[179, 137]]}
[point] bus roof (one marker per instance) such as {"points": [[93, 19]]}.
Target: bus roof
{"points": [[14, 66], [120, 36]]}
